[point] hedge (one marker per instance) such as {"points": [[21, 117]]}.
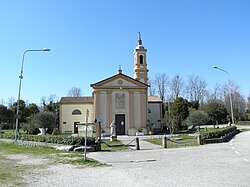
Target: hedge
{"points": [[57, 139], [217, 133]]}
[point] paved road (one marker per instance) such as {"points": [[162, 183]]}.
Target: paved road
{"points": [[225, 164]]}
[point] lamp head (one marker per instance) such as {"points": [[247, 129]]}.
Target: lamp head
{"points": [[215, 67], [46, 49]]}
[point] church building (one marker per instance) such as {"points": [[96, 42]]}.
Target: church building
{"points": [[118, 98]]}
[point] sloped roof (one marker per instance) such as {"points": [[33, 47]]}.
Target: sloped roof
{"points": [[154, 99], [76, 100], [119, 75]]}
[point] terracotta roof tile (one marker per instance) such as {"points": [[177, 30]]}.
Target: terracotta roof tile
{"points": [[69, 100], [154, 99]]}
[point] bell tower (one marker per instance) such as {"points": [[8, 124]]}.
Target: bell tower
{"points": [[140, 62]]}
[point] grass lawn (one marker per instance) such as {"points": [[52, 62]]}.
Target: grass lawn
{"points": [[11, 148], [182, 140], [48, 152], [241, 123], [113, 146]]}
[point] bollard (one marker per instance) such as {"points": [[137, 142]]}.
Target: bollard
{"points": [[164, 142], [199, 139], [98, 145], [137, 144]]}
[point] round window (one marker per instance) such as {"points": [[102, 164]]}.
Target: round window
{"points": [[120, 82]]}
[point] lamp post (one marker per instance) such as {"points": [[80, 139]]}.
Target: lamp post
{"points": [[19, 89], [86, 131], [230, 97]]}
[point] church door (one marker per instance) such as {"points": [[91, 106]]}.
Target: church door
{"points": [[120, 124]]}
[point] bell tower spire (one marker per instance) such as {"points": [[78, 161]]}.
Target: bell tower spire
{"points": [[140, 62]]}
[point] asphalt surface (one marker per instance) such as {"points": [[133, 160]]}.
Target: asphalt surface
{"points": [[224, 164]]}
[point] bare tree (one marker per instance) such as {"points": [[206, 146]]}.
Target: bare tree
{"points": [[238, 101], [239, 104], [151, 87], [52, 98], [2, 101], [196, 88], [161, 83], [11, 100], [43, 101], [176, 86], [248, 102], [46, 100], [217, 94], [75, 92]]}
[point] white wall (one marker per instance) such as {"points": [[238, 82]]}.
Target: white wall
{"points": [[137, 109], [67, 119], [155, 115], [103, 109]]}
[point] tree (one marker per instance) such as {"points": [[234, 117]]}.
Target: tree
{"points": [[161, 82], [75, 92], [179, 112], [176, 86], [196, 89], [3, 113], [51, 107], [239, 105], [50, 104], [44, 120], [238, 101], [6, 117], [217, 94], [216, 112], [32, 109], [2, 101], [151, 87], [248, 102], [197, 118], [194, 105], [23, 112], [11, 100]]}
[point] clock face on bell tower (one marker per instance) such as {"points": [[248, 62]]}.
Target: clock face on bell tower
{"points": [[140, 62]]}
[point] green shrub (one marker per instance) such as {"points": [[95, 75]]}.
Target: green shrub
{"points": [[30, 129], [58, 139], [55, 131], [7, 135], [217, 133], [196, 118]]}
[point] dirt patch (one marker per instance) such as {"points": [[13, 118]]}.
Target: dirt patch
{"points": [[20, 169], [28, 159]]}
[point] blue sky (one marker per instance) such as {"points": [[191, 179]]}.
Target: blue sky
{"points": [[90, 39]]}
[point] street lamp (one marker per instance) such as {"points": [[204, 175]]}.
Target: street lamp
{"points": [[230, 97], [19, 89]]}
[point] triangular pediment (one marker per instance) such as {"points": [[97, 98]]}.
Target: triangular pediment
{"points": [[119, 80]]}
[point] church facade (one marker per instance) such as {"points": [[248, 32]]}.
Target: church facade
{"points": [[118, 98]]}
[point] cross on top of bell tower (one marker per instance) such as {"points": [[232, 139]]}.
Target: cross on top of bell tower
{"points": [[139, 39]]}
